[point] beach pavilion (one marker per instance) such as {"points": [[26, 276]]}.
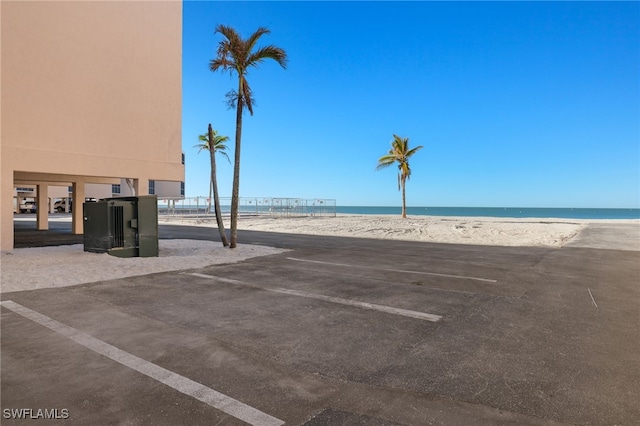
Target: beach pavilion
{"points": [[91, 94]]}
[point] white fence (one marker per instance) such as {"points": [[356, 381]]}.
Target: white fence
{"points": [[196, 207]]}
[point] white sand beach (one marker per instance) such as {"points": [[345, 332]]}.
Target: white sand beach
{"points": [[435, 229], [62, 266], [534, 232], [44, 267]]}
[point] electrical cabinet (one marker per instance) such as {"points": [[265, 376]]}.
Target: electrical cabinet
{"points": [[122, 226]]}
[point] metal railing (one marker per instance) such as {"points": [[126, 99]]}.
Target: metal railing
{"points": [[201, 207]]}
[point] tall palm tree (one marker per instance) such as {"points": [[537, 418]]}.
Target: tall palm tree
{"points": [[213, 142], [399, 153], [236, 54]]}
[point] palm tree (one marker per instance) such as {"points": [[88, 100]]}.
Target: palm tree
{"points": [[213, 142], [236, 54], [399, 153]]}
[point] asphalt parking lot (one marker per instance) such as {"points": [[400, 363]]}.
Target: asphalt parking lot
{"points": [[337, 331]]}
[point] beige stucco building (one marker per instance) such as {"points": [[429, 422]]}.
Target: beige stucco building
{"points": [[91, 94]]}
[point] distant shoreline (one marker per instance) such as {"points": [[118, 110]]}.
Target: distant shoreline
{"points": [[498, 212], [298, 206], [492, 219]]}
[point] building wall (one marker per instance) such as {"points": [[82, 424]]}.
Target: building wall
{"points": [[91, 91], [164, 189]]}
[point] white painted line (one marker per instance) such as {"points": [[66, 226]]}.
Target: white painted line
{"points": [[395, 270], [364, 305], [592, 299], [180, 383], [224, 280]]}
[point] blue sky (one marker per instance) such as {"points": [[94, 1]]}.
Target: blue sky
{"points": [[527, 104]]}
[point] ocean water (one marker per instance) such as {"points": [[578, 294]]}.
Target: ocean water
{"points": [[512, 212]]}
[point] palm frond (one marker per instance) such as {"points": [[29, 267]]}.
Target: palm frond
{"points": [[232, 99], [224, 154], [219, 139], [253, 38], [267, 52], [413, 151], [204, 143], [229, 33], [405, 170], [247, 97], [385, 161], [219, 143], [227, 51], [221, 63]]}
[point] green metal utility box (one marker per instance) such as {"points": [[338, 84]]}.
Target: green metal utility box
{"points": [[122, 226]]}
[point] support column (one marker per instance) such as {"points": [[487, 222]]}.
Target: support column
{"points": [[77, 219], [128, 189], [141, 186], [42, 198], [6, 208]]}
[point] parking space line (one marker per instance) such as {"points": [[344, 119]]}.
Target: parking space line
{"points": [[339, 300], [180, 383], [394, 270]]}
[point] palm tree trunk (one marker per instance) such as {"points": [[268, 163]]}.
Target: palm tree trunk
{"points": [[404, 201], [210, 190], [235, 193], [214, 185]]}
